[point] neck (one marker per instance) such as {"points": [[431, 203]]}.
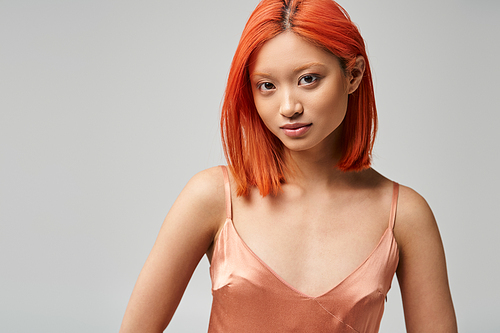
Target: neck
{"points": [[316, 166]]}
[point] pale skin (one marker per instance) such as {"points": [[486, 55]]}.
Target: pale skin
{"points": [[323, 224]]}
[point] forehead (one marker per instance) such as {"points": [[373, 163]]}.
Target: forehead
{"points": [[287, 51]]}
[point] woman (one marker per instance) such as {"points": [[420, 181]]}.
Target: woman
{"points": [[301, 233]]}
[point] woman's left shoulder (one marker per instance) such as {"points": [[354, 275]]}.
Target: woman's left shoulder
{"points": [[421, 269], [414, 217]]}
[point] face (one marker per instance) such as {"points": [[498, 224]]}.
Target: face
{"points": [[300, 92]]}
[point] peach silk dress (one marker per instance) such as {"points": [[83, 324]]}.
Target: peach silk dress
{"points": [[248, 296]]}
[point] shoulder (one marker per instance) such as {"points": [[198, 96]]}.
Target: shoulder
{"points": [[208, 180], [414, 218], [206, 191], [185, 236], [411, 202], [199, 210], [421, 270]]}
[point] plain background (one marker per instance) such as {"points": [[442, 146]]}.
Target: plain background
{"points": [[107, 108]]}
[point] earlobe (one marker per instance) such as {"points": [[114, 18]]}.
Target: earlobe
{"points": [[356, 74]]}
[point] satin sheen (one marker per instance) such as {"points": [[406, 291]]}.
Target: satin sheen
{"points": [[248, 296]]}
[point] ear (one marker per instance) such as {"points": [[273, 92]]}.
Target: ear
{"points": [[356, 74]]}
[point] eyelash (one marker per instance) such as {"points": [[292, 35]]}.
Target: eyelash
{"points": [[261, 85], [314, 77]]}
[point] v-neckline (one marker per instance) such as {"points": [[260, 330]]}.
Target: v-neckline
{"points": [[287, 284]]}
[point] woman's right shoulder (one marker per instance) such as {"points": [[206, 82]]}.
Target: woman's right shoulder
{"points": [[187, 234], [208, 184], [205, 192]]}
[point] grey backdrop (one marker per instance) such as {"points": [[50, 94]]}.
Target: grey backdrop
{"points": [[109, 107]]}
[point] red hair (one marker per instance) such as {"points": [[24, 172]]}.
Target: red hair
{"points": [[253, 153]]}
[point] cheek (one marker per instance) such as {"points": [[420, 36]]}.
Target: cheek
{"points": [[340, 106], [332, 105], [265, 110]]}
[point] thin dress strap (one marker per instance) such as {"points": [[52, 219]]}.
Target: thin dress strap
{"points": [[394, 205], [227, 189]]}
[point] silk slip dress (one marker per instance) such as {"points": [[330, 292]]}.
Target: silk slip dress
{"points": [[249, 297]]}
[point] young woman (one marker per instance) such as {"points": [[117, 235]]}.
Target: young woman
{"points": [[301, 233]]}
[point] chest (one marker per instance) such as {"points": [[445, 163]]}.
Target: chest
{"points": [[312, 243]]}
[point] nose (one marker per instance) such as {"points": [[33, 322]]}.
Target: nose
{"points": [[290, 106]]}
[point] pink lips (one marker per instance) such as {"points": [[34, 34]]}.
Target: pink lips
{"points": [[296, 129]]}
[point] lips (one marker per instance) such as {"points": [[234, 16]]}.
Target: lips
{"points": [[296, 129]]}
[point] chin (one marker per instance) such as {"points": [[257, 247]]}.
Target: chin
{"points": [[297, 147]]}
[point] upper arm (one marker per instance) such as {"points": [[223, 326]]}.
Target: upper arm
{"points": [[422, 271], [186, 234]]}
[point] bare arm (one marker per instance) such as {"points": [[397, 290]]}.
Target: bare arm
{"points": [[186, 234], [422, 274]]}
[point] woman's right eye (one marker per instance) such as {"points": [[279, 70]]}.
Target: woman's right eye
{"points": [[266, 86]]}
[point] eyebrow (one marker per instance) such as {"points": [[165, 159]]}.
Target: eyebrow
{"points": [[306, 66], [295, 70]]}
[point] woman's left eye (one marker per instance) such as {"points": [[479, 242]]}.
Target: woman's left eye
{"points": [[308, 79]]}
